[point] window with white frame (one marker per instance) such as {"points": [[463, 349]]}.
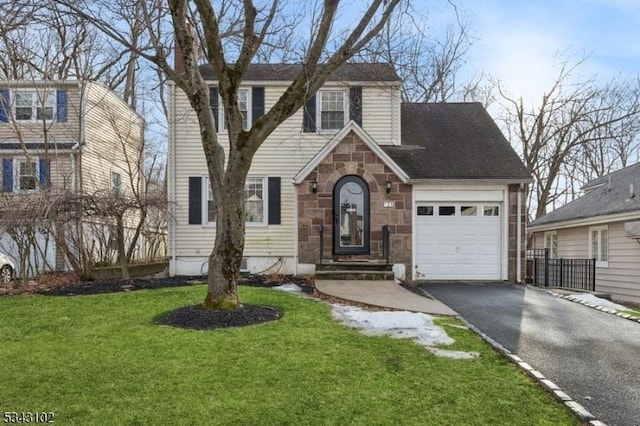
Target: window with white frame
{"points": [[243, 106], [116, 183], [31, 106], [551, 243], [332, 109], [27, 175], [599, 245], [255, 199]]}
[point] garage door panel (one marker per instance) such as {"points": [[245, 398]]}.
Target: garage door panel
{"points": [[459, 247]]}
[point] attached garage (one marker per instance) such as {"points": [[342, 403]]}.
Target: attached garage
{"points": [[459, 240]]}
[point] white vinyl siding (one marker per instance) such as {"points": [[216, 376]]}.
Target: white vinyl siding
{"points": [[599, 245], [283, 154], [621, 277], [551, 243]]}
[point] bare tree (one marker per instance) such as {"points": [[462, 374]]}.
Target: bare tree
{"points": [[579, 130], [230, 35], [428, 66]]}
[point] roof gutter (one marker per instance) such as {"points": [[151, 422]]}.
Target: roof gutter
{"points": [[587, 221], [469, 181]]}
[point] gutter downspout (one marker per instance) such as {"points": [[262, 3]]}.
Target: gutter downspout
{"points": [[519, 237], [171, 187]]}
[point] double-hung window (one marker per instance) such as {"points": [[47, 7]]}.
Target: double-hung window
{"points": [[243, 106], [116, 184], [551, 243], [31, 106], [599, 245], [27, 175], [332, 109], [255, 199]]}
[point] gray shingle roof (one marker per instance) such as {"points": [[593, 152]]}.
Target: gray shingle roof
{"points": [[602, 200], [454, 141], [287, 72]]}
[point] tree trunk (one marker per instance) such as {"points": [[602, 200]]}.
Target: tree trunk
{"points": [[226, 257]]}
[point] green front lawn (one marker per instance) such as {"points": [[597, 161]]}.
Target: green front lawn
{"points": [[101, 360]]}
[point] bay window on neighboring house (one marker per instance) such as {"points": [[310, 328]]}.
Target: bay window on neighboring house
{"points": [[551, 243], [599, 245]]}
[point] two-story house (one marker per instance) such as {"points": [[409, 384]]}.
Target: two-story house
{"points": [[355, 164], [73, 135]]}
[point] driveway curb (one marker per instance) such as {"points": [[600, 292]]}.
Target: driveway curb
{"points": [[548, 385], [592, 306]]}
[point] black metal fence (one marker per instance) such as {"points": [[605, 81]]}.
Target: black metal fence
{"points": [[543, 270]]}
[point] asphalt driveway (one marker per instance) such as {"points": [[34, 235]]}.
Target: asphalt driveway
{"points": [[591, 355]]}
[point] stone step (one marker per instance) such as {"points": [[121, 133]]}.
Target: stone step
{"points": [[361, 275], [354, 266]]}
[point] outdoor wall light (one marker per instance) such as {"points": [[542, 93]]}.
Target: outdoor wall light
{"points": [[314, 186], [388, 186]]}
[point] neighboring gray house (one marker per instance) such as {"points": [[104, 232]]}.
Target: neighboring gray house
{"points": [[603, 224], [354, 159]]}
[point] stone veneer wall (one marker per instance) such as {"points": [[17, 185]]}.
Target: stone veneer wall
{"points": [[352, 157], [513, 231]]}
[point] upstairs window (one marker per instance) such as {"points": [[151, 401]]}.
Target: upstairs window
{"points": [[243, 106], [31, 106], [332, 109]]}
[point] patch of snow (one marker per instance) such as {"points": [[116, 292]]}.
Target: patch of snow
{"points": [[454, 354], [590, 298], [290, 288], [402, 325]]}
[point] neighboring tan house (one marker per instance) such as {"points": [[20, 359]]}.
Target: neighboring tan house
{"points": [[604, 224], [442, 177], [72, 135]]}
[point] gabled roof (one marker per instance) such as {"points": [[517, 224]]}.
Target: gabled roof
{"points": [[287, 72], [610, 195], [454, 141], [351, 126]]}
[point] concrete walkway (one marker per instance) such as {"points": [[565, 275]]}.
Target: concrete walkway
{"points": [[385, 294]]}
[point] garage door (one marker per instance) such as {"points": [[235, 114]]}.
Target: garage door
{"points": [[458, 241]]}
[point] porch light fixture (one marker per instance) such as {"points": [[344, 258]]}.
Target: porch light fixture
{"points": [[314, 186], [388, 186]]}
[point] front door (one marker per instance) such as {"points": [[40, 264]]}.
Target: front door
{"points": [[351, 216]]}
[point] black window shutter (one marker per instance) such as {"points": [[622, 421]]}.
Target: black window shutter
{"points": [[7, 175], [213, 102], [309, 115], [274, 201], [355, 104], [257, 103], [195, 200]]}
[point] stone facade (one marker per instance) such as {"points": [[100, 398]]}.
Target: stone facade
{"points": [[513, 231], [353, 157]]}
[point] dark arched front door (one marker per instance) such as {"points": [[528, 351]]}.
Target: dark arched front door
{"points": [[351, 216]]}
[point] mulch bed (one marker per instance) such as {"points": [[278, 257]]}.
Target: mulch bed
{"points": [[190, 317]]}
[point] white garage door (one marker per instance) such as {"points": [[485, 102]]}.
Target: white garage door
{"points": [[458, 241]]}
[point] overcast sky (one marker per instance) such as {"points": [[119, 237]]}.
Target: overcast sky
{"points": [[519, 41]]}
